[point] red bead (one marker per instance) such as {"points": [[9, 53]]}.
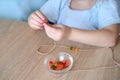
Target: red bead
{"points": [[73, 49], [45, 21]]}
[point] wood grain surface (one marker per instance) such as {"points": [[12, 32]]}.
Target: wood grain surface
{"points": [[19, 59]]}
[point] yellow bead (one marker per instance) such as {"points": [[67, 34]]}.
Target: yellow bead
{"points": [[76, 50]]}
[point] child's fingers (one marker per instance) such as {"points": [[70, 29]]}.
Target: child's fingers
{"points": [[36, 22], [49, 28], [35, 17], [50, 34], [39, 14], [53, 32], [35, 27], [32, 23]]}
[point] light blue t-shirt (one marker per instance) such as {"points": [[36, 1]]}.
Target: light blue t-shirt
{"points": [[102, 14]]}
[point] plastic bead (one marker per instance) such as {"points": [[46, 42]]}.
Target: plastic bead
{"points": [[76, 50], [53, 66], [45, 21], [59, 65], [71, 47]]}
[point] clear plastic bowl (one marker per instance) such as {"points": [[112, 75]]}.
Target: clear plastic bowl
{"points": [[60, 56]]}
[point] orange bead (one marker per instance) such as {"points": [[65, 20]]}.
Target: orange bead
{"points": [[67, 63], [60, 67]]}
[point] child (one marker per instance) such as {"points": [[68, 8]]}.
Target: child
{"points": [[93, 22]]}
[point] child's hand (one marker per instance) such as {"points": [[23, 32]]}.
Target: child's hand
{"points": [[57, 32], [36, 20]]}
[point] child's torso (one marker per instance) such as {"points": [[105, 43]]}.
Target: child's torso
{"points": [[82, 19]]}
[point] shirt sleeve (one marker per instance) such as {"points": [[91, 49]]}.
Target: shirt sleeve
{"points": [[108, 14], [51, 10]]}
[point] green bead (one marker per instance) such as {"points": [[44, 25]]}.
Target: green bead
{"points": [[53, 66], [58, 62], [70, 47]]}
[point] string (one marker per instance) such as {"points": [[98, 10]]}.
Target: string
{"points": [[117, 64], [45, 53]]}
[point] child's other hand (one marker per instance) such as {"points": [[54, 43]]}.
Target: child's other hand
{"points": [[36, 20], [57, 32]]}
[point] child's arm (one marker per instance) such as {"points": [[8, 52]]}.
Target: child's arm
{"points": [[106, 37]]}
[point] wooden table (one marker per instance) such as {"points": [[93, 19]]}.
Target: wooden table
{"points": [[19, 59]]}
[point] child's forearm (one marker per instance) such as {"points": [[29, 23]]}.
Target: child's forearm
{"points": [[102, 38]]}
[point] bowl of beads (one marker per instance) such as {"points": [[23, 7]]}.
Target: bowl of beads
{"points": [[59, 63]]}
